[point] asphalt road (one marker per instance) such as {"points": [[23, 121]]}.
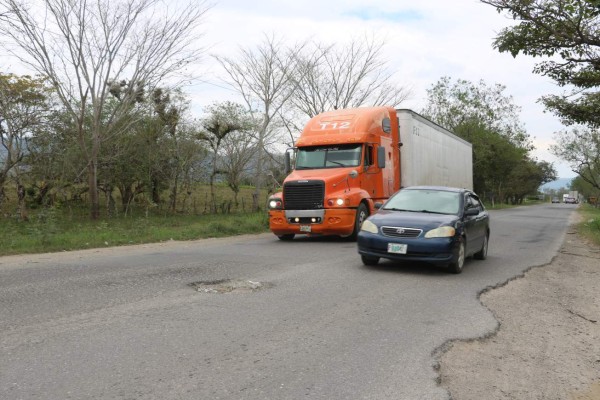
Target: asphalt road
{"points": [[128, 323]]}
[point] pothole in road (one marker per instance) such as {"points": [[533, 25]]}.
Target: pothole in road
{"points": [[229, 286]]}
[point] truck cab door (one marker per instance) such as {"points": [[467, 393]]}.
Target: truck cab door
{"points": [[370, 170]]}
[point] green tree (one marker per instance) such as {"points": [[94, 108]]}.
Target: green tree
{"points": [[155, 154], [567, 33], [580, 147], [488, 119], [584, 188], [526, 177], [24, 109], [462, 102], [92, 50], [223, 119]]}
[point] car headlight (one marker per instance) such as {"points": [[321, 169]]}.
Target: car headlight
{"points": [[275, 203], [368, 226], [442, 231]]}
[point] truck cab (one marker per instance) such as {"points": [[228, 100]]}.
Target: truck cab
{"points": [[343, 163]]}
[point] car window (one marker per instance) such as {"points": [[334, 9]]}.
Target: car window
{"points": [[425, 200]]}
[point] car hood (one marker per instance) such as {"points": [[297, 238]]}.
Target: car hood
{"points": [[407, 219]]}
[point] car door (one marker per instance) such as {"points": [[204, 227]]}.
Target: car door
{"points": [[474, 224]]}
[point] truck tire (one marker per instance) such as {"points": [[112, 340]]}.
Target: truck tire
{"points": [[362, 212], [458, 261], [286, 237]]}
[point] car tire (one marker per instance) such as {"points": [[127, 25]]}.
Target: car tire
{"points": [[369, 260], [286, 237], [458, 260], [482, 254], [362, 212]]}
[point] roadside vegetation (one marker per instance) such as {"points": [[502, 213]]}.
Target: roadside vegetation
{"points": [[590, 225], [52, 231], [67, 226]]}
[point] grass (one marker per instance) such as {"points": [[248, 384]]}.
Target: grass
{"points": [[70, 228], [590, 226], [51, 231]]}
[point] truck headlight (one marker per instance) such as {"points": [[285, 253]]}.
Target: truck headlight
{"points": [[442, 231], [275, 204], [368, 226], [338, 202]]}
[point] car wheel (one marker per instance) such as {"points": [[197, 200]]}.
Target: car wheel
{"points": [[362, 212], [458, 261], [482, 254], [287, 236], [368, 260]]}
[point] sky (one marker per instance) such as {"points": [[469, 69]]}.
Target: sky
{"points": [[424, 41]]}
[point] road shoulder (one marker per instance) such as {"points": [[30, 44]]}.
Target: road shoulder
{"points": [[547, 344]]}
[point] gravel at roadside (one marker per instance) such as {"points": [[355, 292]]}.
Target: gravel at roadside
{"points": [[547, 344]]}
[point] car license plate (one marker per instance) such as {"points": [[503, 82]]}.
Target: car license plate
{"points": [[397, 248], [305, 228]]}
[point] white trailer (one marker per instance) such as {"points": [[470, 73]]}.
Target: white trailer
{"points": [[431, 154], [574, 194]]}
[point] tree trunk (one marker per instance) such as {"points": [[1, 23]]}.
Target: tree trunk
{"points": [[155, 191], [22, 205], [93, 184], [173, 195], [2, 193], [258, 180], [110, 201]]}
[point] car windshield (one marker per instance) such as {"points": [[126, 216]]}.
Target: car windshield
{"points": [[425, 200], [328, 156]]}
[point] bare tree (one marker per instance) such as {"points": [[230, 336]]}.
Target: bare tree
{"points": [[264, 77], [91, 50], [344, 76]]}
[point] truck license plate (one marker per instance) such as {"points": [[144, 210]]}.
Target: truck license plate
{"points": [[397, 248], [305, 228]]}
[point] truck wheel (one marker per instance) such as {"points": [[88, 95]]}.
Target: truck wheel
{"points": [[482, 254], [367, 260], [287, 236], [362, 212], [458, 261]]}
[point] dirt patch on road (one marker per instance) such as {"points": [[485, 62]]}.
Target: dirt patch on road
{"points": [[547, 345]]}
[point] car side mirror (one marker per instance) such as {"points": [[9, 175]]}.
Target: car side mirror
{"points": [[471, 212], [377, 205]]}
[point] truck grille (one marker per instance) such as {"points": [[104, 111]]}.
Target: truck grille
{"points": [[303, 195], [396, 231]]}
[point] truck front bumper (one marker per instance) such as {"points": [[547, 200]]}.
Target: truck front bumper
{"points": [[338, 221]]}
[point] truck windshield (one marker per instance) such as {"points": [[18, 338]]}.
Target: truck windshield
{"points": [[328, 156]]}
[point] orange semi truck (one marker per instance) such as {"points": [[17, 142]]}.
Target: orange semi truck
{"points": [[347, 160]]}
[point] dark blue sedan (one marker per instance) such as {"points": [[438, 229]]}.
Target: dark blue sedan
{"points": [[439, 225]]}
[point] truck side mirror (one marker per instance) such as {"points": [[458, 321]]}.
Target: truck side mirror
{"points": [[288, 163], [381, 157]]}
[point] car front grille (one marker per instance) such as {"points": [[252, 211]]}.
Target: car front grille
{"points": [[396, 231], [304, 195]]}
